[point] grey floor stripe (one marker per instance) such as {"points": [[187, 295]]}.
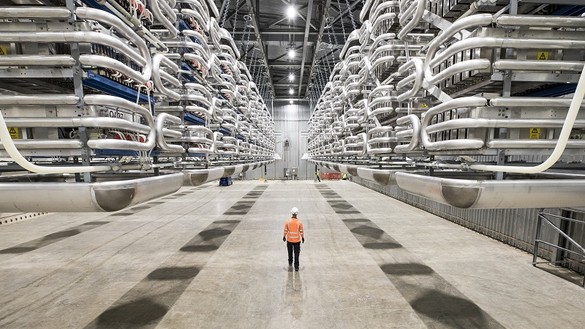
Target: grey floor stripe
{"points": [[438, 303], [149, 300], [51, 238], [120, 214]]}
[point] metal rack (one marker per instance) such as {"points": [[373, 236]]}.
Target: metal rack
{"points": [[467, 87], [107, 104]]}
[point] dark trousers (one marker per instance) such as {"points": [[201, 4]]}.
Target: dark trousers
{"points": [[296, 247]]}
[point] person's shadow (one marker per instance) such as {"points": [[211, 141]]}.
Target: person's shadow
{"points": [[293, 294]]}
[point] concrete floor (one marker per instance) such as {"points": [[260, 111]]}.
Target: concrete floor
{"points": [[212, 257]]}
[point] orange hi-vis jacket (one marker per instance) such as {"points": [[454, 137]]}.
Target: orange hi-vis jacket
{"points": [[293, 230]]}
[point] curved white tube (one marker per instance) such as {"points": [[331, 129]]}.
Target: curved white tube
{"points": [[119, 102], [157, 60], [103, 16], [415, 124], [160, 138], [418, 78], [168, 22], [416, 17], [110, 63]]}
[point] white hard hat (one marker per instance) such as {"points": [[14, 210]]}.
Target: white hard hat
{"points": [[294, 211]]}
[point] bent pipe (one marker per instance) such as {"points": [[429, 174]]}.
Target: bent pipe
{"points": [[80, 36], [15, 155], [432, 61], [414, 122], [110, 63], [563, 138], [418, 76], [120, 26], [157, 60], [419, 10], [477, 194], [119, 102], [168, 22], [161, 119], [85, 197], [453, 104]]}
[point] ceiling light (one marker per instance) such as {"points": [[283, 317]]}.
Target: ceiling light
{"points": [[290, 102], [292, 53], [291, 91], [291, 77], [291, 12]]}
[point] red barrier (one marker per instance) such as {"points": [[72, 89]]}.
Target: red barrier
{"points": [[331, 176]]}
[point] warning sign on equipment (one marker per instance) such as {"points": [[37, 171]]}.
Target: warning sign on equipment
{"points": [[534, 133], [14, 133], [542, 56]]}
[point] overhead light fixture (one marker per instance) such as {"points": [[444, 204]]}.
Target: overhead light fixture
{"points": [[291, 91], [291, 102], [291, 12], [292, 53], [291, 77]]}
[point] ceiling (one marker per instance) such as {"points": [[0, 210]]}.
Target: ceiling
{"points": [[265, 34]]}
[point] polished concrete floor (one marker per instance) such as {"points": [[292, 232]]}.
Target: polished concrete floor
{"points": [[212, 257]]}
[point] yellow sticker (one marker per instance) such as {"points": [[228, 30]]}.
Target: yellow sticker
{"points": [[542, 56], [534, 133], [3, 50], [424, 105], [14, 133]]}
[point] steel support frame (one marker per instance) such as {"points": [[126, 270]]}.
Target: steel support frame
{"points": [[252, 13], [78, 89], [305, 46], [319, 37]]}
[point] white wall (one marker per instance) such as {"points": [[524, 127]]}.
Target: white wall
{"points": [[290, 123]]}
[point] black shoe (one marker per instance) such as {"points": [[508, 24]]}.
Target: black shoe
{"points": [[296, 269]]}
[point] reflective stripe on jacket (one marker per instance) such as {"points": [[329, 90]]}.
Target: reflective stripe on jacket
{"points": [[293, 230]]}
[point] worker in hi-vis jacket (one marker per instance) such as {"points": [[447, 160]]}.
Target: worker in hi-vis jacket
{"points": [[293, 235]]}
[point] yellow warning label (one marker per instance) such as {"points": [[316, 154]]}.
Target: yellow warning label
{"points": [[424, 105], [534, 133], [3, 50], [542, 56], [14, 133]]}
